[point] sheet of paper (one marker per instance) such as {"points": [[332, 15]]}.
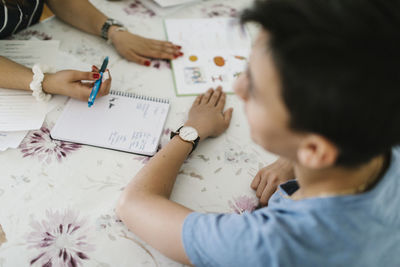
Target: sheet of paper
{"points": [[21, 112], [28, 53], [215, 53], [11, 139], [168, 3], [162, 11]]}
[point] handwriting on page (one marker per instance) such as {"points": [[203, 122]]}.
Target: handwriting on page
{"points": [[138, 140]]}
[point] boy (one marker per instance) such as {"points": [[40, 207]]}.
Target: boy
{"points": [[322, 91]]}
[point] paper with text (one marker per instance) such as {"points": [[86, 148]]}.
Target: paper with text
{"points": [[11, 139], [215, 53], [19, 111], [122, 122], [28, 53]]}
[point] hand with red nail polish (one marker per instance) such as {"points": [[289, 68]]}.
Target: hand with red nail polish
{"points": [[76, 84], [139, 49]]}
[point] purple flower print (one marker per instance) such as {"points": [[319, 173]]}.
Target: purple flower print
{"points": [[28, 34], [142, 159], [219, 10], [137, 8], [242, 204], [61, 240], [160, 63], [38, 143]]}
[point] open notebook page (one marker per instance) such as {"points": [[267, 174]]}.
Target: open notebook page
{"points": [[126, 123]]}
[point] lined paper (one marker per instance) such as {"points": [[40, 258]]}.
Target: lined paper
{"points": [[127, 123]]}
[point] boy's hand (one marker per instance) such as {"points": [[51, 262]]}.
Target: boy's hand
{"points": [[270, 177], [207, 114]]}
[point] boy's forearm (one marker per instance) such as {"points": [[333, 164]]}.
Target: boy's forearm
{"points": [[158, 176], [14, 75], [80, 14]]}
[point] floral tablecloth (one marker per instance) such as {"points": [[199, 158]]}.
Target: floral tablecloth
{"points": [[57, 199]]}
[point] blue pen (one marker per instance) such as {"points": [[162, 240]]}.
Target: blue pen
{"points": [[97, 84]]}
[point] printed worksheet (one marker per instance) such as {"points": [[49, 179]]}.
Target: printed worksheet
{"points": [[19, 111], [215, 53]]}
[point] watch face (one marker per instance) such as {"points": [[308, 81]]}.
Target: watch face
{"points": [[188, 133]]}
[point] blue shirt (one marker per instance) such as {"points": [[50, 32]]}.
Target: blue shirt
{"points": [[352, 230]]}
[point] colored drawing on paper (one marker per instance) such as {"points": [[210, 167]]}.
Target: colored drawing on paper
{"points": [[193, 58], [194, 75], [219, 61], [240, 57], [237, 74], [216, 78]]}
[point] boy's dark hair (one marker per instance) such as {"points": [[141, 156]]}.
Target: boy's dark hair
{"points": [[339, 64]]}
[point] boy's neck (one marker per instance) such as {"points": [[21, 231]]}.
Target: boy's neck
{"points": [[338, 180]]}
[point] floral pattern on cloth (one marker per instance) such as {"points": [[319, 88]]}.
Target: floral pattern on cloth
{"points": [[61, 240], [39, 144], [160, 64], [137, 8], [243, 203], [219, 10], [29, 34]]}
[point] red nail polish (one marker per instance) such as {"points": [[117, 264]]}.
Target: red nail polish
{"points": [[180, 53], [179, 47], [96, 75], [147, 63]]}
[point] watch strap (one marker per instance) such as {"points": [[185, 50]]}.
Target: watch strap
{"points": [[106, 26]]}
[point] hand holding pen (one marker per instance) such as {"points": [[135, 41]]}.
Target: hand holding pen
{"points": [[76, 83], [98, 83]]}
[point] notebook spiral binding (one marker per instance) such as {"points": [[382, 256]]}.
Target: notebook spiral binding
{"points": [[137, 96]]}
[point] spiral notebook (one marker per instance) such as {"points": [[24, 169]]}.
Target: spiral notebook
{"points": [[121, 121]]}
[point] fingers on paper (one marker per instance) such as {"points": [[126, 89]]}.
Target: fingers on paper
{"points": [[206, 97], [197, 101], [134, 57], [228, 116], [164, 50], [221, 102], [216, 94]]}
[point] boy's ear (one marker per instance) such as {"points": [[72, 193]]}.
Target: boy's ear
{"points": [[316, 152]]}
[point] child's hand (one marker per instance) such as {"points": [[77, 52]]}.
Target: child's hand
{"points": [[139, 49], [269, 178], [207, 114], [69, 83]]}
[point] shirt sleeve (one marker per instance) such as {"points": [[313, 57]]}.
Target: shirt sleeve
{"points": [[227, 239]]}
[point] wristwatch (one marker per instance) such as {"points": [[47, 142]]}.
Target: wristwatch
{"points": [[106, 26], [187, 134]]}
